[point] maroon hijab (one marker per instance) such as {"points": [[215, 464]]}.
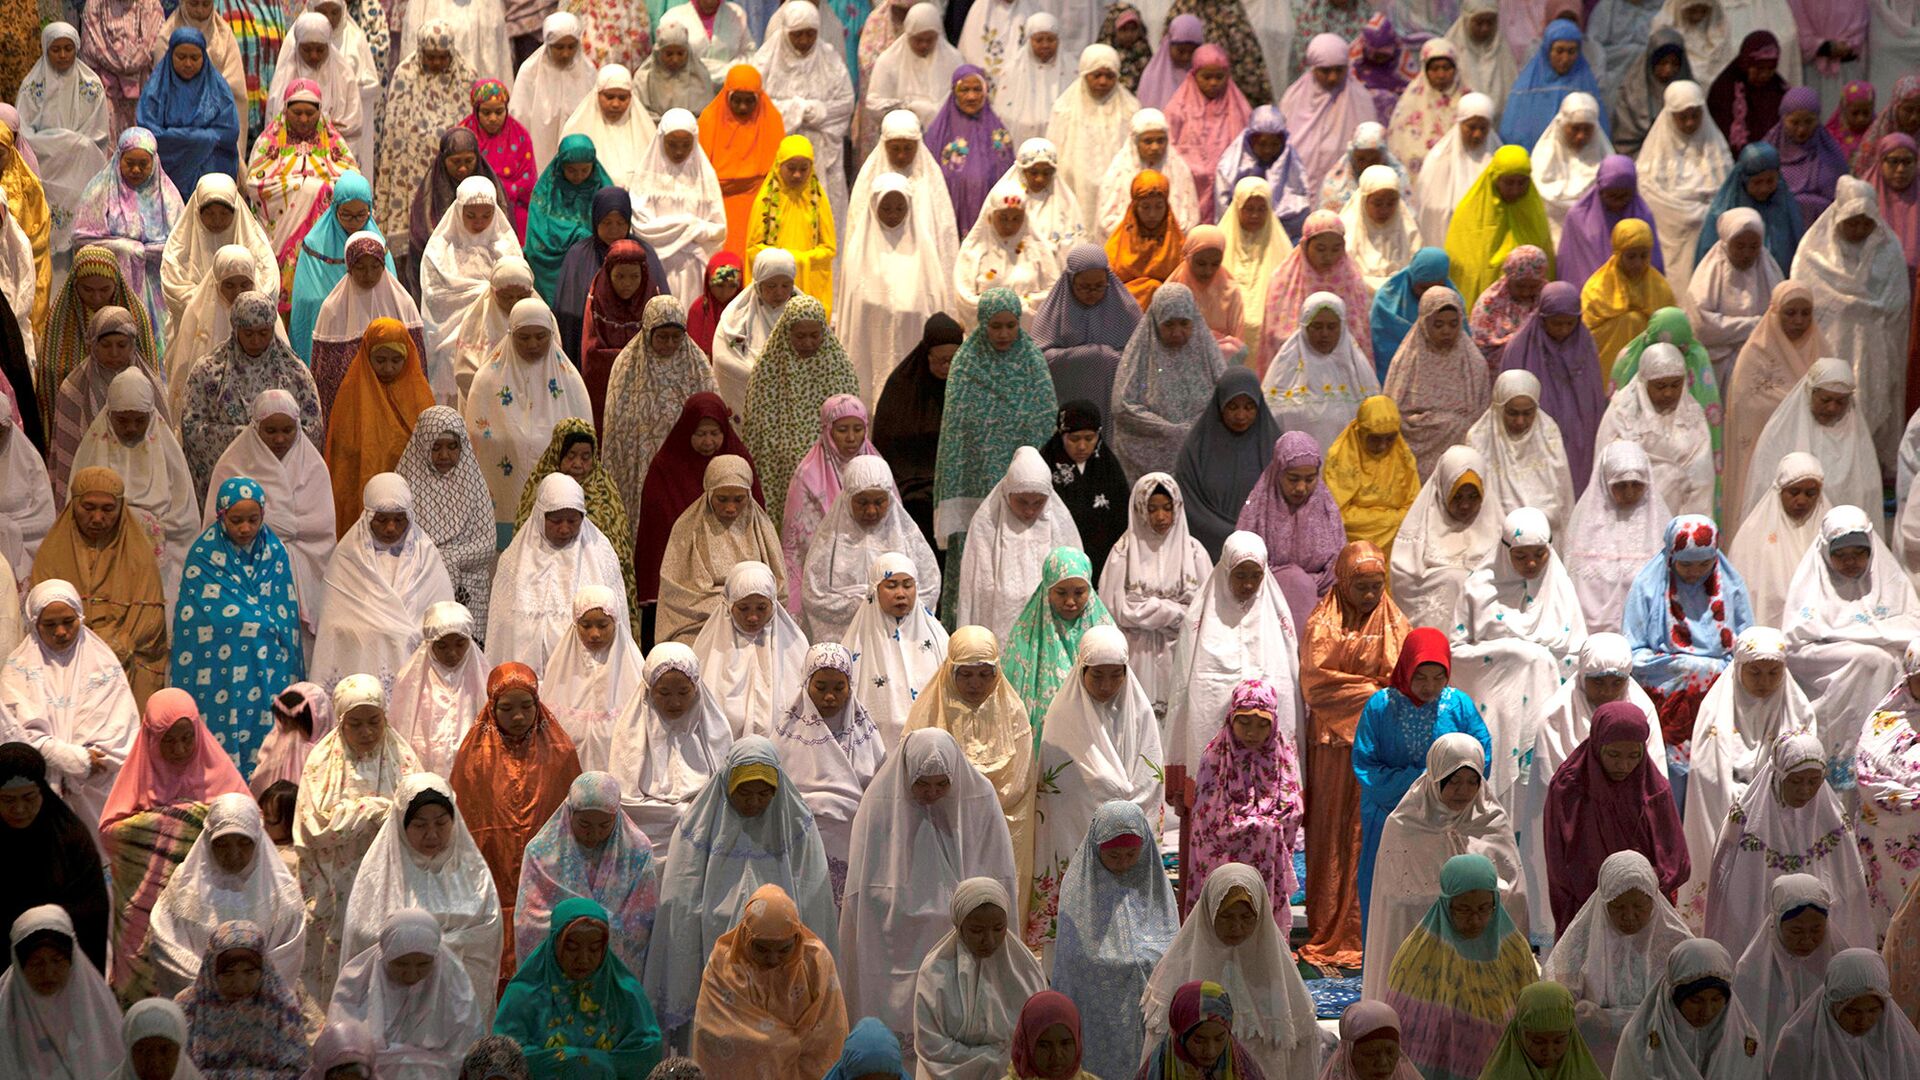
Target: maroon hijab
{"points": [[611, 322], [1590, 816], [673, 483]]}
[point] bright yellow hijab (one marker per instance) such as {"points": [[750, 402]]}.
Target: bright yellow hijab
{"points": [[1486, 227], [802, 223], [27, 204], [1616, 307], [1373, 491]]}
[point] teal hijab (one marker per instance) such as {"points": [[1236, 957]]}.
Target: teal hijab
{"points": [[600, 1027], [1041, 650], [561, 212], [323, 261]]}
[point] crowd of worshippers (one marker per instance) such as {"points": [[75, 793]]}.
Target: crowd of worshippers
{"points": [[1005, 540]]}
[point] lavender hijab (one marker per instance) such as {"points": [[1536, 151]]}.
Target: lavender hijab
{"points": [[1082, 344], [1292, 200], [1811, 169], [1302, 541], [1383, 80], [973, 151], [1162, 77], [1586, 242], [1569, 372]]}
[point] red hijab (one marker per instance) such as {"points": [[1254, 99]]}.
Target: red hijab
{"points": [[1042, 1011], [1424, 645], [704, 318], [675, 481], [1590, 815], [611, 322]]}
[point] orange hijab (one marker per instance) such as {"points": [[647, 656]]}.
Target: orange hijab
{"points": [[741, 151], [787, 1020], [508, 788], [372, 420], [1144, 264]]}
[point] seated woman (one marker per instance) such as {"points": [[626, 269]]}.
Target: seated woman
{"points": [[66, 1010], [1117, 916], [1449, 531], [574, 1007], [560, 552], [1083, 324], [1824, 415], [751, 650], [1517, 629], [242, 1016], [1683, 612], [668, 741], [1778, 530], [154, 815], [1047, 1040], [928, 821], [1855, 1023], [770, 1000], [1752, 706], [383, 577], [1373, 474], [414, 997], [1527, 461], [159, 1028], [1615, 528], [441, 688], [1789, 802], [1782, 967], [1608, 797], [1370, 1042], [82, 739], [1248, 806], [966, 991], [1020, 522], [424, 857], [1608, 957], [1458, 974], [232, 873], [818, 479], [1232, 935], [865, 522], [1449, 811], [1704, 1020], [749, 826], [112, 349], [590, 848], [709, 540], [40, 825], [1544, 1037], [1851, 611], [1395, 730], [1198, 1040], [593, 672]]}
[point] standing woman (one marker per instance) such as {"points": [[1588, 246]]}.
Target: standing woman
{"points": [[291, 174], [1162, 385], [562, 210], [907, 418], [651, 377], [526, 386], [505, 145], [1351, 648], [64, 120], [969, 990], [425, 102], [116, 40], [190, 109], [802, 366], [678, 211], [130, 208], [41, 830], [1248, 806], [999, 398], [237, 629], [741, 131], [1608, 797], [512, 772], [1397, 726], [451, 504], [153, 816]]}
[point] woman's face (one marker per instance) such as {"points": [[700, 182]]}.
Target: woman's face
{"points": [[1762, 678], [1206, 1043], [129, 425], [1798, 788], [1428, 680], [1562, 55], [236, 974], [429, 830], [1251, 729], [672, 694], [1545, 1049], [1382, 205], [727, 504], [891, 211], [477, 217], [828, 690], [1239, 413], [1630, 912], [595, 629], [241, 522], [1442, 329], [1151, 145], [774, 291], [1150, 210], [1174, 333], [113, 351], [751, 799], [1245, 579], [1377, 445], [410, 969], [1068, 598], [678, 144], [983, 930], [1472, 912], [61, 54], [612, 226], [1440, 73], [1008, 220], [750, 613], [1101, 83], [1703, 1007], [435, 61], [1235, 922], [1324, 250], [707, 437], [177, 745], [614, 103], [970, 95], [1329, 78], [1858, 1016], [493, 115], [352, 215], [1898, 168], [187, 60], [1664, 393], [897, 594], [576, 172], [583, 946], [531, 343], [1253, 214], [561, 527], [1037, 178], [1090, 286], [1376, 1057], [770, 953], [627, 279], [973, 683], [1800, 497], [1458, 791], [303, 120], [1857, 228], [1003, 329], [363, 727], [1619, 759], [1829, 407], [1796, 318], [1323, 331], [795, 171], [47, 969], [928, 790], [1804, 932], [806, 336], [1474, 131], [450, 650], [1512, 187]]}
